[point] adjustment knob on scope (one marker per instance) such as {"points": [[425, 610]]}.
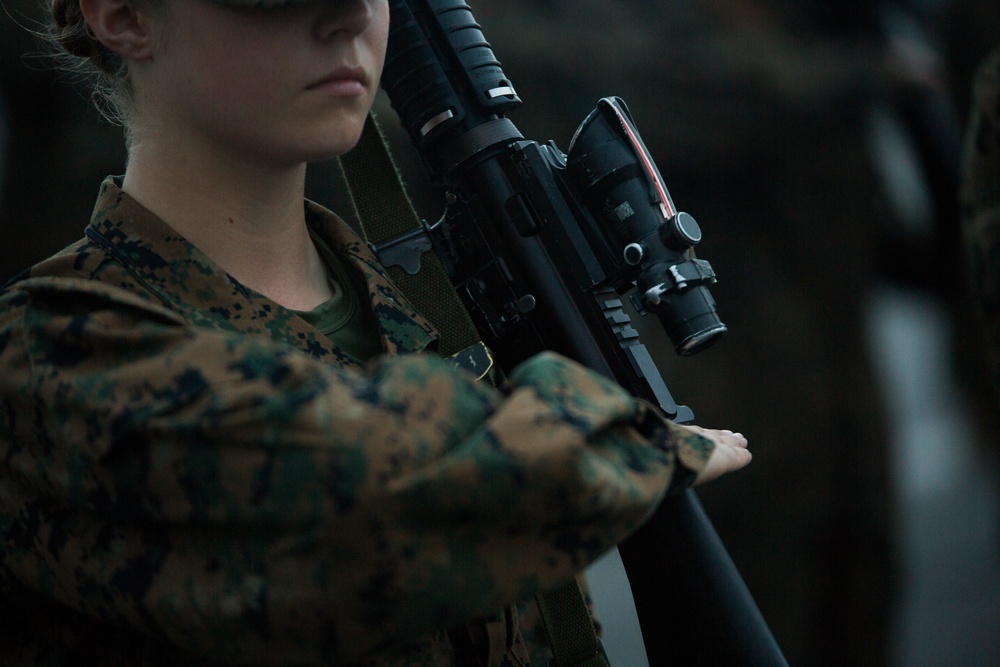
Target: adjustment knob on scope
{"points": [[633, 254], [681, 231]]}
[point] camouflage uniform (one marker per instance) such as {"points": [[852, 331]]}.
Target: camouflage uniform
{"points": [[981, 202], [191, 474]]}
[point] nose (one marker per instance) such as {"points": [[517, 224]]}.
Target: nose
{"points": [[350, 17]]}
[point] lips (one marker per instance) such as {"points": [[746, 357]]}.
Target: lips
{"points": [[346, 78]]}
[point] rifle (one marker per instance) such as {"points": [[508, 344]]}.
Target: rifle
{"points": [[542, 247]]}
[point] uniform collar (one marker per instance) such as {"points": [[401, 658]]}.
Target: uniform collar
{"points": [[189, 282]]}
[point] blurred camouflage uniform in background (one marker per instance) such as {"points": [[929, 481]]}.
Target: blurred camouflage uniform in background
{"points": [[4, 138], [937, 110], [969, 29], [981, 203]]}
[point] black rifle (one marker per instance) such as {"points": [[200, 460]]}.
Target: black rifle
{"points": [[542, 247]]}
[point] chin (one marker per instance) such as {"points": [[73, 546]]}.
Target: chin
{"points": [[318, 151], [338, 141], [320, 141], [328, 154]]}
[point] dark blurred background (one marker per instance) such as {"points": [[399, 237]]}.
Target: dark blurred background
{"points": [[818, 143]]}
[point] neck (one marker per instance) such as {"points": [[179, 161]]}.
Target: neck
{"points": [[246, 216]]}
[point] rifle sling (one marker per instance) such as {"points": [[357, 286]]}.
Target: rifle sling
{"points": [[385, 212], [570, 628]]}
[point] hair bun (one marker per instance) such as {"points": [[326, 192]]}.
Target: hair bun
{"points": [[72, 33], [78, 52]]}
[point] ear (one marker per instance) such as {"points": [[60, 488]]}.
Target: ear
{"points": [[119, 26]]}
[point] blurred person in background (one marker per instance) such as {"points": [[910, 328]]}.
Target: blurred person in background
{"points": [[981, 204], [4, 139]]}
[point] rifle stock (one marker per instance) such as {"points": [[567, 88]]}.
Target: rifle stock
{"points": [[538, 269]]}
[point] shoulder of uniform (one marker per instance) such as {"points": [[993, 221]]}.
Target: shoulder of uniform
{"points": [[79, 294]]}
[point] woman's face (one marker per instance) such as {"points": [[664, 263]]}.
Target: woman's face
{"points": [[285, 85]]}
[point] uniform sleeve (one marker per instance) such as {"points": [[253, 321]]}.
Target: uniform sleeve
{"points": [[246, 502]]}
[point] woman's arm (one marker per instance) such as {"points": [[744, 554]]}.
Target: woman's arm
{"points": [[245, 501]]}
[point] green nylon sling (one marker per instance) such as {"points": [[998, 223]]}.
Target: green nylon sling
{"points": [[385, 212]]}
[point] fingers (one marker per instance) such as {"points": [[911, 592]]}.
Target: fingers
{"points": [[730, 454]]}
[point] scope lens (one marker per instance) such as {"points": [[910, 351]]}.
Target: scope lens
{"points": [[690, 319], [701, 340]]}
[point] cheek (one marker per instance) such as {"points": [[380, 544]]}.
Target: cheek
{"points": [[240, 83], [232, 66], [236, 87]]}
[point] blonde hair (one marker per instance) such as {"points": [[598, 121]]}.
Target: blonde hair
{"points": [[78, 52]]}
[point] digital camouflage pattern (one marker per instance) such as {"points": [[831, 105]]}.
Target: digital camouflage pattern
{"points": [[192, 475], [981, 202]]}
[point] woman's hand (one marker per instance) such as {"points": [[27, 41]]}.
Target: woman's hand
{"points": [[730, 453]]}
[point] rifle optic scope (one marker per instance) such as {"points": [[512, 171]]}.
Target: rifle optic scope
{"points": [[610, 165]]}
